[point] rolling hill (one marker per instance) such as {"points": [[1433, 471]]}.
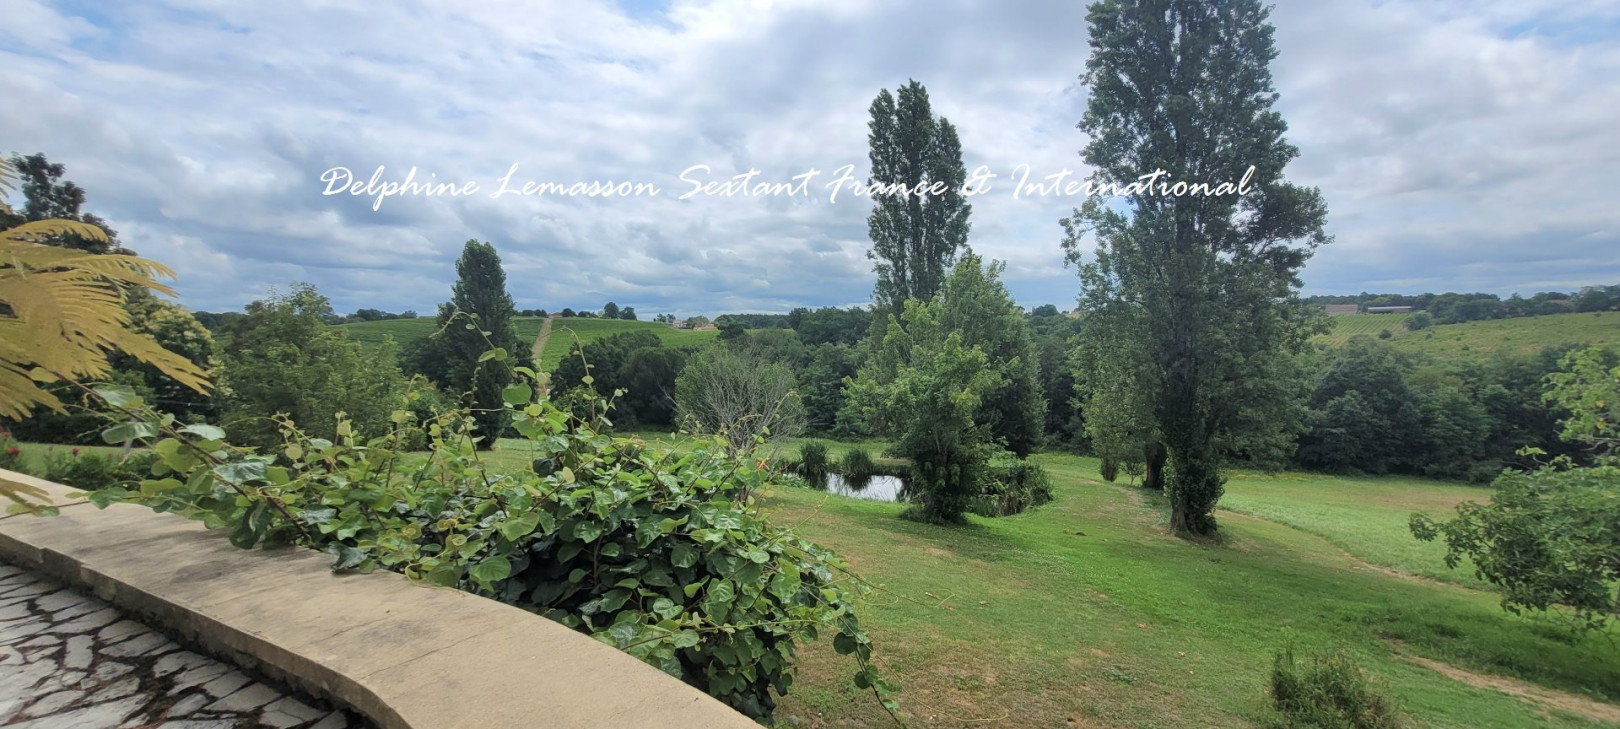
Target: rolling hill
{"points": [[1521, 335]]}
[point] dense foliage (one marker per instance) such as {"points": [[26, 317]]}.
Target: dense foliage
{"points": [[636, 363], [282, 359], [1184, 87], [662, 555], [1550, 537]]}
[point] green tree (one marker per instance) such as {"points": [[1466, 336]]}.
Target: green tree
{"points": [[975, 304], [830, 324], [1550, 538], [634, 362], [915, 238], [821, 385], [1183, 87], [1117, 389], [48, 197], [610, 311], [931, 401], [1364, 416], [477, 320], [282, 358], [737, 393]]}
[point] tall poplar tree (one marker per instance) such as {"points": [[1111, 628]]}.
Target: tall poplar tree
{"points": [[480, 292], [1184, 86], [915, 238]]}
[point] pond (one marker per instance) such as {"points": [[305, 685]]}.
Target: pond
{"points": [[876, 488]]}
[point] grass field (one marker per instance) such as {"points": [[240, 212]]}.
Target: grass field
{"points": [[558, 345], [406, 330], [564, 332], [1347, 326], [1085, 612], [1522, 335]]}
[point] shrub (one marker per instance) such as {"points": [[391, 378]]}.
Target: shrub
{"points": [[813, 461], [95, 471], [1329, 693], [858, 465], [11, 457], [1109, 469], [1385, 334], [1010, 486], [1418, 321], [667, 559]]}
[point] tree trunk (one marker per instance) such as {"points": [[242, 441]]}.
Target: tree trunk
{"points": [[1154, 456]]}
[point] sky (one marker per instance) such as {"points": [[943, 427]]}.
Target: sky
{"points": [[1461, 145]]}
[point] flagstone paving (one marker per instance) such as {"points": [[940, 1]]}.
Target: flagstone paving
{"points": [[70, 661]]}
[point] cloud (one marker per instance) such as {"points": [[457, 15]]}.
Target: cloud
{"points": [[1459, 145]]}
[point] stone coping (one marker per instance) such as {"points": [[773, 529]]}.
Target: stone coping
{"points": [[403, 654]]}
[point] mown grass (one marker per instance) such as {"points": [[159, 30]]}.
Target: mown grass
{"points": [[1365, 516], [1478, 339], [1086, 612]]}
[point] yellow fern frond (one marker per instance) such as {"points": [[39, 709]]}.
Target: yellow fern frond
{"points": [[41, 230], [67, 315]]}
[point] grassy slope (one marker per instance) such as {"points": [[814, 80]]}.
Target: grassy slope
{"points": [[1128, 626], [1366, 516], [1523, 335], [405, 330]]}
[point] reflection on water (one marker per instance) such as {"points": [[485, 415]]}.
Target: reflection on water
{"points": [[877, 488]]}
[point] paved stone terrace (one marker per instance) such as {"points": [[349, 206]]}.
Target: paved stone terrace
{"points": [[68, 661]]}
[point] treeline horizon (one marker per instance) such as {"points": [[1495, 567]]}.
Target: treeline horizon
{"points": [[1449, 307]]}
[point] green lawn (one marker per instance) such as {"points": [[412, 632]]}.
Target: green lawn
{"points": [[1522, 335], [1365, 516], [1086, 612]]}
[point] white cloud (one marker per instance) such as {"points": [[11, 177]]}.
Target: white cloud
{"points": [[1459, 145]]}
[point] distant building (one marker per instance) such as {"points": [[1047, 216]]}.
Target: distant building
{"points": [[1389, 310], [1342, 309]]}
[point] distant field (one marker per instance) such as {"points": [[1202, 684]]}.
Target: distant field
{"points": [[564, 332], [1522, 335], [1347, 326], [371, 333]]}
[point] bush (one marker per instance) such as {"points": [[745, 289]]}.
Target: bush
{"points": [[667, 559], [1329, 693], [1010, 486], [1420, 320], [1385, 334], [858, 465], [813, 461], [1109, 469], [92, 471]]}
